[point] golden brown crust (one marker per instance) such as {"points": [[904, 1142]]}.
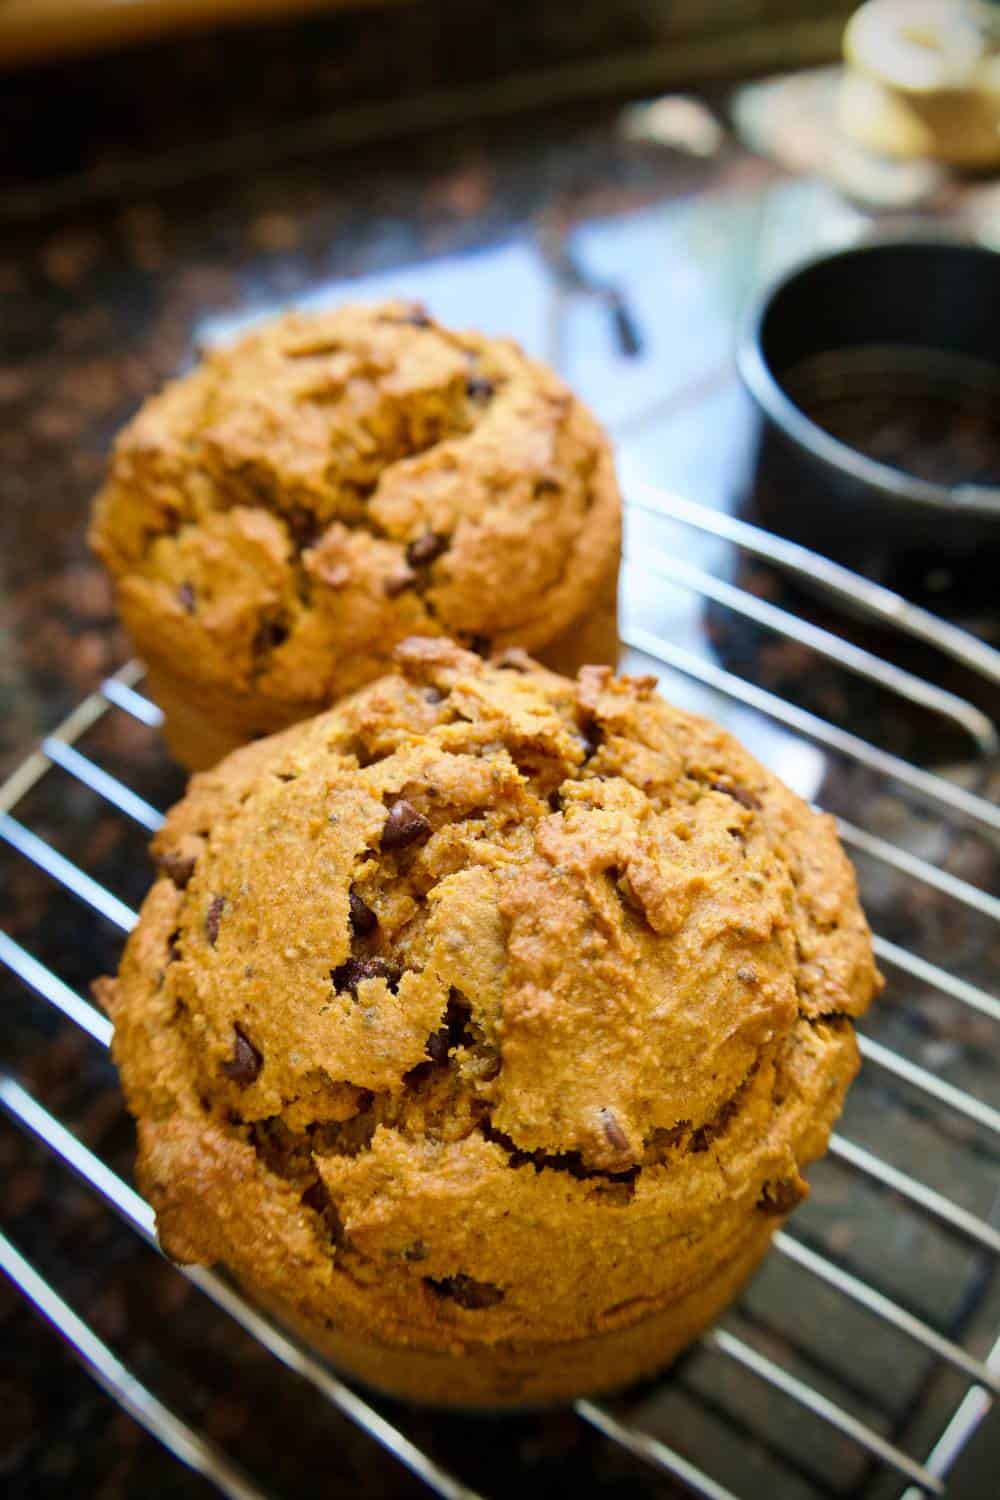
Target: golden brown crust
{"points": [[480, 963], [277, 520]]}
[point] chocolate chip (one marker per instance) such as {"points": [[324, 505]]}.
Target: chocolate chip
{"points": [[215, 909], [363, 919], [458, 1030], [178, 867], [169, 525], [614, 1134], [592, 738], [398, 583], [403, 826], [466, 1291], [270, 635], [424, 549], [438, 1044], [779, 1198], [462, 1031], [478, 643], [303, 525], [739, 794], [246, 1061], [478, 388], [417, 318], [347, 976], [185, 595]]}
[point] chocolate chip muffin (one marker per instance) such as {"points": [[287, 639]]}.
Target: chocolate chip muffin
{"points": [[277, 520], [484, 1025]]}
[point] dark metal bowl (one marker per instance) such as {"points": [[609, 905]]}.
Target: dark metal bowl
{"points": [[876, 372]]}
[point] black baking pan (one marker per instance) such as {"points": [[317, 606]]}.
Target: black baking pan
{"points": [[876, 375]]}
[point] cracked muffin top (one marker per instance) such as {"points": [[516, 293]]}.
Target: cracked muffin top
{"points": [[280, 517], [479, 956]]}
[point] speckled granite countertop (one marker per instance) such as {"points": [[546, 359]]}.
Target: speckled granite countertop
{"points": [[101, 301]]}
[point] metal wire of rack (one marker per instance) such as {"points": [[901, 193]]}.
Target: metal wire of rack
{"points": [[950, 799]]}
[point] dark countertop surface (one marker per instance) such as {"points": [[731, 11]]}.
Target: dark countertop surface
{"points": [[103, 297]]}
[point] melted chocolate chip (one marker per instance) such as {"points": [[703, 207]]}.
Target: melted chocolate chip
{"points": [[480, 644], [212, 917], [246, 1061], [347, 976], [779, 1198], [363, 919], [437, 1045], [466, 1291], [424, 549], [479, 389], [592, 738], [303, 525], [178, 867], [403, 826], [614, 1134], [458, 1029], [185, 595], [398, 583], [739, 794], [270, 635], [170, 525]]}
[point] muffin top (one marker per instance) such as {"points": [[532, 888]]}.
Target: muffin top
{"points": [[470, 958], [280, 517]]}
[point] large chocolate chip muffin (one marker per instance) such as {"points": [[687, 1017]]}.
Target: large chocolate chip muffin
{"points": [[277, 520], [484, 1025]]}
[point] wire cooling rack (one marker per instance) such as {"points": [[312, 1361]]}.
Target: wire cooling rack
{"points": [[875, 1327]]}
